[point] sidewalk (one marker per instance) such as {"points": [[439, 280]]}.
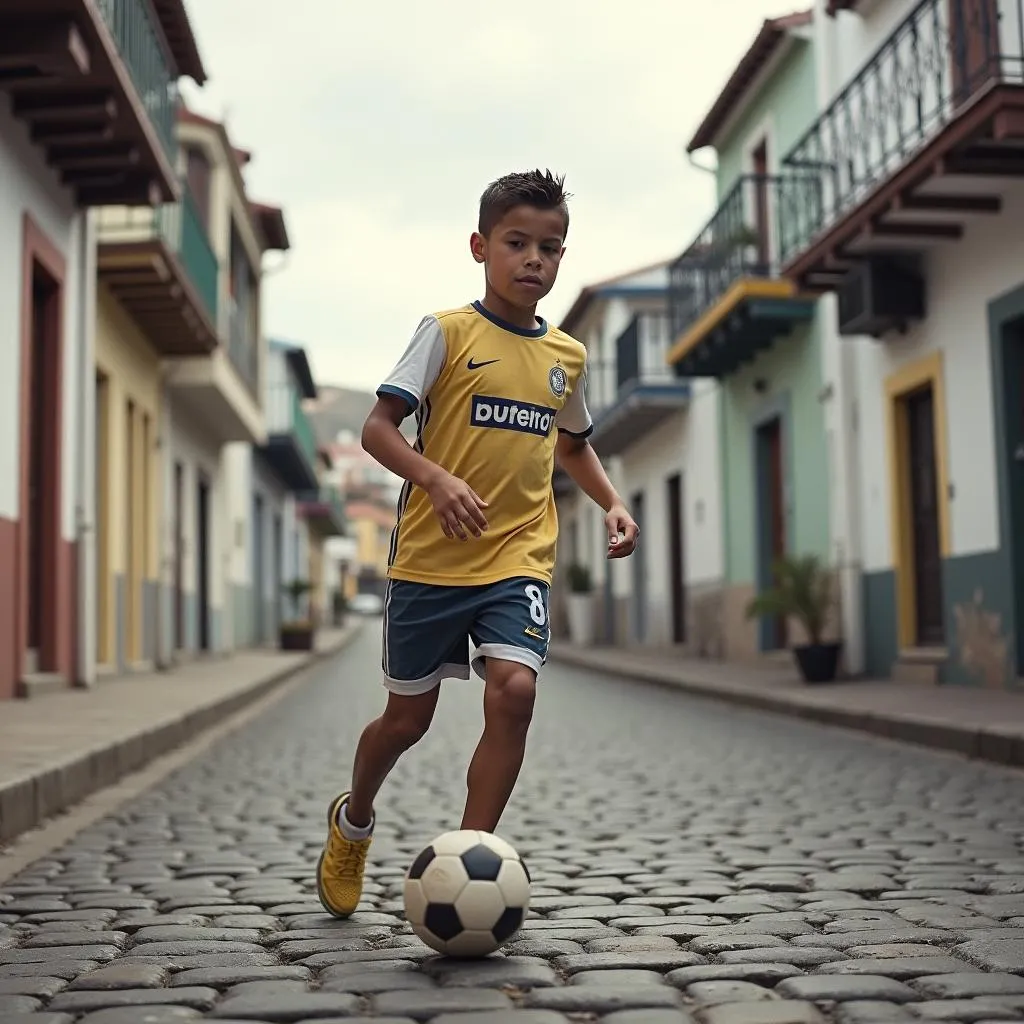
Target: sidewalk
{"points": [[976, 722], [57, 749]]}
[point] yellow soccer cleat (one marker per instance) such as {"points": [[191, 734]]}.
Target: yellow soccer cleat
{"points": [[339, 874]]}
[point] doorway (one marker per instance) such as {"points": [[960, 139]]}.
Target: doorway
{"points": [[41, 573], [919, 410], [277, 572], [203, 563], [104, 625], [771, 521], [179, 556], [639, 575], [676, 550], [258, 582]]}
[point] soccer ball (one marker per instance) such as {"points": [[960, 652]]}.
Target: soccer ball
{"points": [[467, 893]]}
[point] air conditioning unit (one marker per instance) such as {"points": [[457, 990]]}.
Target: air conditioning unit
{"points": [[878, 296]]}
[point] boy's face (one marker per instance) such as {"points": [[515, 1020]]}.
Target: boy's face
{"points": [[522, 254]]}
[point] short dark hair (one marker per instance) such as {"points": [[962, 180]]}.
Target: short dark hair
{"points": [[538, 188]]}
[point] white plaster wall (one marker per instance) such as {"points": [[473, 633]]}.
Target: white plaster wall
{"points": [[197, 453], [237, 468], [277, 395], [962, 278], [27, 184]]}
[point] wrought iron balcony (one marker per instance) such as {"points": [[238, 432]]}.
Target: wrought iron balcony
{"points": [[160, 265], [939, 97], [97, 85], [291, 448], [726, 293], [635, 392], [242, 347]]}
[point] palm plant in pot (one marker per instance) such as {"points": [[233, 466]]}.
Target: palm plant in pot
{"points": [[580, 605], [296, 633], [803, 591]]}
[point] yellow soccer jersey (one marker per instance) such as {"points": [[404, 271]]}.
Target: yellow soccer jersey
{"points": [[489, 399]]}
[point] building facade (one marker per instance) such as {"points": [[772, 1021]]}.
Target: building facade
{"points": [[100, 133], [736, 321], [655, 433], [910, 239], [214, 398], [272, 543]]}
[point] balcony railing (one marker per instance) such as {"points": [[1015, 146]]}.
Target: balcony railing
{"points": [[328, 497], [138, 40], [179, 227], [304, 430], [738, 241], [242, 349], [937, 59], [640, 352]]}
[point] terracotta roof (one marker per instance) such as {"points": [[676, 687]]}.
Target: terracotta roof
{"points": [[583, 300], [356, 510], [270, 221], [762, 49], [180, 38]]}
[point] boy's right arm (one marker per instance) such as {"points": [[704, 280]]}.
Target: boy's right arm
{"points": [[457, 506]]}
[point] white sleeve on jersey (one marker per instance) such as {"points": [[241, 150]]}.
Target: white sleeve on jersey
{"points": [[574, 417], [420, 366]]}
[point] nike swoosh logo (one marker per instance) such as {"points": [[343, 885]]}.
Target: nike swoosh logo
{"points": [[476, 366]]}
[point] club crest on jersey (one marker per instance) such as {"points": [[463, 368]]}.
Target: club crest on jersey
{"points": [[557, 381], [509, 414]]}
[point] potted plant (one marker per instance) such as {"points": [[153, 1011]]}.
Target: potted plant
{"points": [[803, 591], [296, 633], [580, 605]]}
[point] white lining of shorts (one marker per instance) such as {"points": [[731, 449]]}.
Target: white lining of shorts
{"points": [[414, 687], [505, 652]]}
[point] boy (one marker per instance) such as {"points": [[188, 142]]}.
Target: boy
{"points": [[498, 394]]}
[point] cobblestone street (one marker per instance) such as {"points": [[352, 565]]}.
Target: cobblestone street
{"points": [[689, 861]]}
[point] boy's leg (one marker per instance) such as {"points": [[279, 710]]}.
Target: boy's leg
{"points": [[511, 632], [424, 642]]}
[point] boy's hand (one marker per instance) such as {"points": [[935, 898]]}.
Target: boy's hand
{"points": [[457, 506], [622, 532]]}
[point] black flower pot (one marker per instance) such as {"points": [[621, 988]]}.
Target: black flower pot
{"points": [[819, 663], [296, 638]]}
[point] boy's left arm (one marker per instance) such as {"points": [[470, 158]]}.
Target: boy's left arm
{"points": [[576, 456]]}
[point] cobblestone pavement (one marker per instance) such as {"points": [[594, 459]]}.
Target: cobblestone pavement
{"points": [[689, 861]]}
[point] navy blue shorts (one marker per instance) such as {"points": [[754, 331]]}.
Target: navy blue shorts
{"points": [[427, 629]]}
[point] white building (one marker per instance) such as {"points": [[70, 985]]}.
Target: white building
{"points": [[657, 436], [905, 202], [63, 151], [214, 400], [266, 483]]}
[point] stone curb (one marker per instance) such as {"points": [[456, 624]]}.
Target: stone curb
{"points": [[981, 743], [27, 802]]}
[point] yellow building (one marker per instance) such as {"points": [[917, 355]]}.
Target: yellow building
{"points": [[128, 487], [325, 517], [371, 525]]}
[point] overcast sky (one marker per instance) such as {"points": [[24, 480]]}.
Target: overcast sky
{"points": [[378, 125]]}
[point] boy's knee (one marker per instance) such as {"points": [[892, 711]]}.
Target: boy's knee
{"points": [[512, 691], [407, 724]]}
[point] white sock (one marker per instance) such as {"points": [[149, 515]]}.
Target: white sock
{"points": [[350, 831]]}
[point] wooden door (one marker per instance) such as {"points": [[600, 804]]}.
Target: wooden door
{"points": [[639, 575], [771, 511], [676, 548], [203, 563], [974, 50], [179, 556], [924, 517]]}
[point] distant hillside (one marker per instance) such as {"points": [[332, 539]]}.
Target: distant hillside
{"points": [[336, 409]]}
